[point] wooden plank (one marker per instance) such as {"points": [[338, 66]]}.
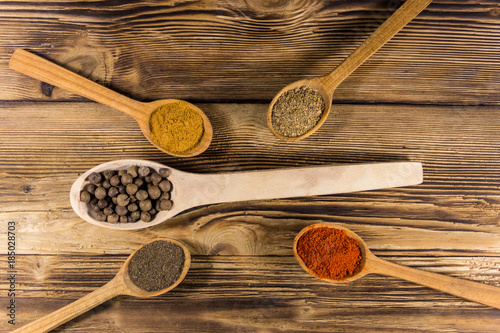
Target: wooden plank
{"points": [[47, 145], [429, 95], [248, 294], [248, 50]]}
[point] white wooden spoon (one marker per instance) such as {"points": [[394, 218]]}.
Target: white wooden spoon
{"points": [[119, 285], [192, 190], [474, 291]]}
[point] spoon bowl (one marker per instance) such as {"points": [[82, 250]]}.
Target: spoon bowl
{"points": [[46, 71], [474, 291], [362, 271], [121, 284], [191, 190], [314, 84], [200, 147], [326, 85]]}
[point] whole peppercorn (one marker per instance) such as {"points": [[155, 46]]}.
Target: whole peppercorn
{"points": [[165, 185], [139, 182], [106, 184], [136, 215], [122, 189], [85, 196], [126, 179], [115, 180], [145, 216], [154, 192], [164, 205], [108, 174], [132, 170], [156, 178], [145, 205], [99, 216], [95, 178], [100, 192], [131, 188], [141, 195], [123, 219], [164, 172], [122, 200], [94, 207], [91, 188], [121, 210], [132, 207], [143, 171], [108, 211], [113, 218], [164, 196], [113, 192], [102, 203]]}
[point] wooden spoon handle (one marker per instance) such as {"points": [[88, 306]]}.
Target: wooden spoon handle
{"points": [[46, 71], [72, 310], [474, 291], [300, 182], [375, 41]]}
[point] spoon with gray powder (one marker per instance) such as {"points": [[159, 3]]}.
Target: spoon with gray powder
{"points": [[153, 269], [300, 108]]}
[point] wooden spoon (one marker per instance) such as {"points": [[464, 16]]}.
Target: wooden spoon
{"points": [[119, 285], [326, 85], [474, 291], [192, 190], [46, 71]]}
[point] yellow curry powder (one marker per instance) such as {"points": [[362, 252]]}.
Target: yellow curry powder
{"points": [[176, 127]]}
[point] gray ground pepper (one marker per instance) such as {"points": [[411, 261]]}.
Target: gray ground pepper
{"points": [[297, 111], [157, 265]]}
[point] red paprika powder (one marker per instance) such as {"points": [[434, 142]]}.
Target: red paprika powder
{"points": [[329, 252]]}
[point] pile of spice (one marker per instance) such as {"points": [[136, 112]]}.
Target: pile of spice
{"points": [[127, 195], [297, 111], [329, 253], [176, 127], [157, 265]]}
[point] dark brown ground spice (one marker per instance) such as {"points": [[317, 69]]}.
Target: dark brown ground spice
{"points": [[157, 265], [329, 253], [297, 111]]}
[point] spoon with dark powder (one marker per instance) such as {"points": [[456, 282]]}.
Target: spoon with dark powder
{"points": [[153, 269]]}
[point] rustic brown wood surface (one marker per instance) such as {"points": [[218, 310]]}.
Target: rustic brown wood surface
{"points": [[430, 95]]}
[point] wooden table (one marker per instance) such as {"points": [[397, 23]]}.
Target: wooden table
{"points": [[430, 95]]}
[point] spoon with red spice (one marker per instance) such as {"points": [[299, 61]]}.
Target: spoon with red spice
{"points": [[126, 283], [44, 70], [336, 254]]}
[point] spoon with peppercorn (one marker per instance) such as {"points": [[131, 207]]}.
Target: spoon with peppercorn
{"points": [[160, 192], [336, 254], [300, 108], [153, 269], [174, 136]]}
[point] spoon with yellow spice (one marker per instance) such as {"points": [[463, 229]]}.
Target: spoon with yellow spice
{"points": [[175, 127]]}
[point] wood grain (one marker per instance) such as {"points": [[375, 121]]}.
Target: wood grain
{"points": [[430, 95], [249, 50], [45, 153], [269, 300]]}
